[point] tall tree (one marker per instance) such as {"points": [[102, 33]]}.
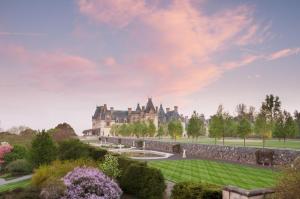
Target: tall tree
{"points": [[285, 126], [175, 129], [263, 127], [151, 128], [271, 107], [297, 120], [43, 149], [195, 127], [162, 130], [244, 128], [215, 127]]}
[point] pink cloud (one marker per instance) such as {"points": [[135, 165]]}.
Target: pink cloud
{"points": [[116, 12], [284, 53], [183, 41]]}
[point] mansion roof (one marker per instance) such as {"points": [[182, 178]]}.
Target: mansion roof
{"points": [[103, 113]]}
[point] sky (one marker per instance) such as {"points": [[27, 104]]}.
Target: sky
{"points": [[60, 59]]}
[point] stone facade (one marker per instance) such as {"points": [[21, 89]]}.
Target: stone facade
{"points": [[104, 118], [244, 155]]}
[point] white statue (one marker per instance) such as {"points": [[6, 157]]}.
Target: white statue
{"points": [[184, 154], [133, 143], [144, 145]]}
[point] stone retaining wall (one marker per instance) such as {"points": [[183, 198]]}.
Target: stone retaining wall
{"points": [[245, 155]]}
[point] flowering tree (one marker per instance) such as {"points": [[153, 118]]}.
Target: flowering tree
{"points": [[4, 149], [90, 183]]}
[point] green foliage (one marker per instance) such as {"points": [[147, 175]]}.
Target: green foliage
{"points": [[143, 182], [244, 128], [195, 126], [191, 190], [18, 152], [215, 127], [263, 127], [19, 167], [270, 108], [162, 130], [125, 162], [175, 129], [297, 121], [43, 150], [55, 171], [19, 190], [285, 126], [96, 154], [73, 149], [110, 166], [288, 185], [151, 128]]}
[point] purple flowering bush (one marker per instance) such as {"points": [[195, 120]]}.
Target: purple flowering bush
{"points": [[90, 183]]}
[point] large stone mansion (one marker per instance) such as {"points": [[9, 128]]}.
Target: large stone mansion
{"points": [[104, 118]]}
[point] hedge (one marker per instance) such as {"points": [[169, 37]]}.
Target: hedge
{"points": [[191, 190], [143, 182]]}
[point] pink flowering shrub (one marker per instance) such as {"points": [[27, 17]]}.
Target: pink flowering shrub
{"points": [[90, 183], [4, 149]]}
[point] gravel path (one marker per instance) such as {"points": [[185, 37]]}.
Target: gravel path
{"points": [[4, 182]]}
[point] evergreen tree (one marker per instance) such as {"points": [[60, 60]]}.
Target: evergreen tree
{"points": [[43, 149]]}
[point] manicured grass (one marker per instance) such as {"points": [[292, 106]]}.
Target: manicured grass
{"points": [[271, 143], [14, 185], [216, 173]]}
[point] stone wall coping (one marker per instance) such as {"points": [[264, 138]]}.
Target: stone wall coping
{"points": [[220, 146], [249, 193]]}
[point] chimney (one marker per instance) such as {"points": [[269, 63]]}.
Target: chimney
{"points": [[143, 108], [167, 109], [111, 108], [156, 109], [105, 107], [175, 108], [129, 111]]}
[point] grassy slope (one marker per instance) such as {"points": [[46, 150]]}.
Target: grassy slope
{"points": [[216, 173], [14, 185]]}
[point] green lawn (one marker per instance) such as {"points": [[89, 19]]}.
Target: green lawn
{"points": [[271, 143], [14, 185], [216, 173]]}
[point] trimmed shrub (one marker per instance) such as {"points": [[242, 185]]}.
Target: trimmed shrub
{"points": [[18, 152], [75, 149], [176, 148], [90, 183], [47, 173], [19, 167], [43, 150], [125, 162], [191, 190], [143, 182]]}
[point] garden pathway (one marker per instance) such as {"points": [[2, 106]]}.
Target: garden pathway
{"points": [[3, 181]]}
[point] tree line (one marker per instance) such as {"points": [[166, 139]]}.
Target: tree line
{"points": [[270, 121]]}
